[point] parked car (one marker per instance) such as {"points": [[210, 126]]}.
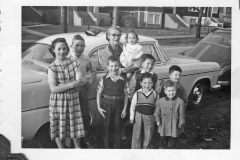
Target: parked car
{"points": [[196, 77], [215, 47]]}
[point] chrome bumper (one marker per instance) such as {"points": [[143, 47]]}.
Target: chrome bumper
{"points": [[216, 87], [224, 83]]}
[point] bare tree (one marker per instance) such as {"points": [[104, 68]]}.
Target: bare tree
{"points": [[115, 16], [64, 19], [200, 12]]}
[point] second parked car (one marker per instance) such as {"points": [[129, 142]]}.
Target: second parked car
{"points": [[215, 47]]}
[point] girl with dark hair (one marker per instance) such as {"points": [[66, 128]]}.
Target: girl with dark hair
{"points": [[65, 112]]}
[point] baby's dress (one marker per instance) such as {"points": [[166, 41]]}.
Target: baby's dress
{"points": [[65, 112], [129, 52]]}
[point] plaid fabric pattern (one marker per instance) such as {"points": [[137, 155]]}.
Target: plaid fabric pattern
{"points": [[65, 112]]}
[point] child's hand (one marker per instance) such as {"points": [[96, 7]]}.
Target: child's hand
{"points": [[179, 125], [124, 112], [131, 121], [159, 124], [101, 111], [76, 84]]}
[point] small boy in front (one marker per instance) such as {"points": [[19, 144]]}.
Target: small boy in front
{"points": [[170, 116], [142, 112], [175, 76], [147, 63]]}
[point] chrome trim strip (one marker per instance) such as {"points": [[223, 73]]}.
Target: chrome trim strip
{"points": [[217, 44], [32, 109]]}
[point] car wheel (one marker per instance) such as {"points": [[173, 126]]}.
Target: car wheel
{"points": [[196, 96], [43, 137]]}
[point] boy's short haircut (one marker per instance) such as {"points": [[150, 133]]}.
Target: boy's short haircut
{"points": [[169, 84], [112, 59], [175, 68], [146, 75], [144, 57], [77, 37]]}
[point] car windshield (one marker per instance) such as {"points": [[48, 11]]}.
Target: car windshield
{"points": [[38, 52], [164, 56], [37, 57]]}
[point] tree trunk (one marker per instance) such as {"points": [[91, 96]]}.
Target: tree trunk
{"points": [[115, 16], [64, 19], [198, 31], [163, 18]]}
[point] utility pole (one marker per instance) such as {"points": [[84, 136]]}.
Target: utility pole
{"points": [[198, 31], [115, 16], [163, 18], [64, 19]]}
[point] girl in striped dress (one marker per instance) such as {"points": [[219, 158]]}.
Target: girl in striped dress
{"points": [[65, 113]]}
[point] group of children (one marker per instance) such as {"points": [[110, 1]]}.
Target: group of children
{"points": [[150, 102]]}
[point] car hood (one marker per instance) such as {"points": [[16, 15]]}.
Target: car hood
{"points": [[29, 76], [183, 59]]}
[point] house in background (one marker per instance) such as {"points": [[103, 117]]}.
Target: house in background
{"points": [[146, 17]]}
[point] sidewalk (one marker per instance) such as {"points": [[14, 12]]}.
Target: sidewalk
{"points": [[36, 32]]}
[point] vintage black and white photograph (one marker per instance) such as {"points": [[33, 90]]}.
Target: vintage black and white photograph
{"points": [[85, 81], [103, 80]]}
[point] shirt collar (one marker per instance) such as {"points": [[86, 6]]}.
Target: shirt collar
{"points": [[142, 71], [174, 98], [113, 78], [74, 56], [147, 93]]}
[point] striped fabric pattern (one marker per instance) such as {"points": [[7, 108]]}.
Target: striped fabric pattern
{"points": [[65, 112]]}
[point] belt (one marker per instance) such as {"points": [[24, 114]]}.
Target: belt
{"points": [[113, 97]]}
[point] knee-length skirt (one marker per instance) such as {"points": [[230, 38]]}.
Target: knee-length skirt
{"points": [[65, 115]]}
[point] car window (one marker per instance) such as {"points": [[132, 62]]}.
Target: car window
{"points": [[94, 56], [39, 52], [95, 60], [217, 54], [151, 49], [199, 48], [218, 39]]}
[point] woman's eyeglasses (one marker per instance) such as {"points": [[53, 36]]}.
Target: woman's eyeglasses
{"points": [[116, 35]]}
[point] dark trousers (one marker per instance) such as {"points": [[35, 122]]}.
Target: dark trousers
{"points": [[84, 104], [167, 141], [112, 123]]}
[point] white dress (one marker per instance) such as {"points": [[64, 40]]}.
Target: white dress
{"points": [[131, 51]]}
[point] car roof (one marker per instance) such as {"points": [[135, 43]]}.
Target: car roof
{"points": [[95, 41]]}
